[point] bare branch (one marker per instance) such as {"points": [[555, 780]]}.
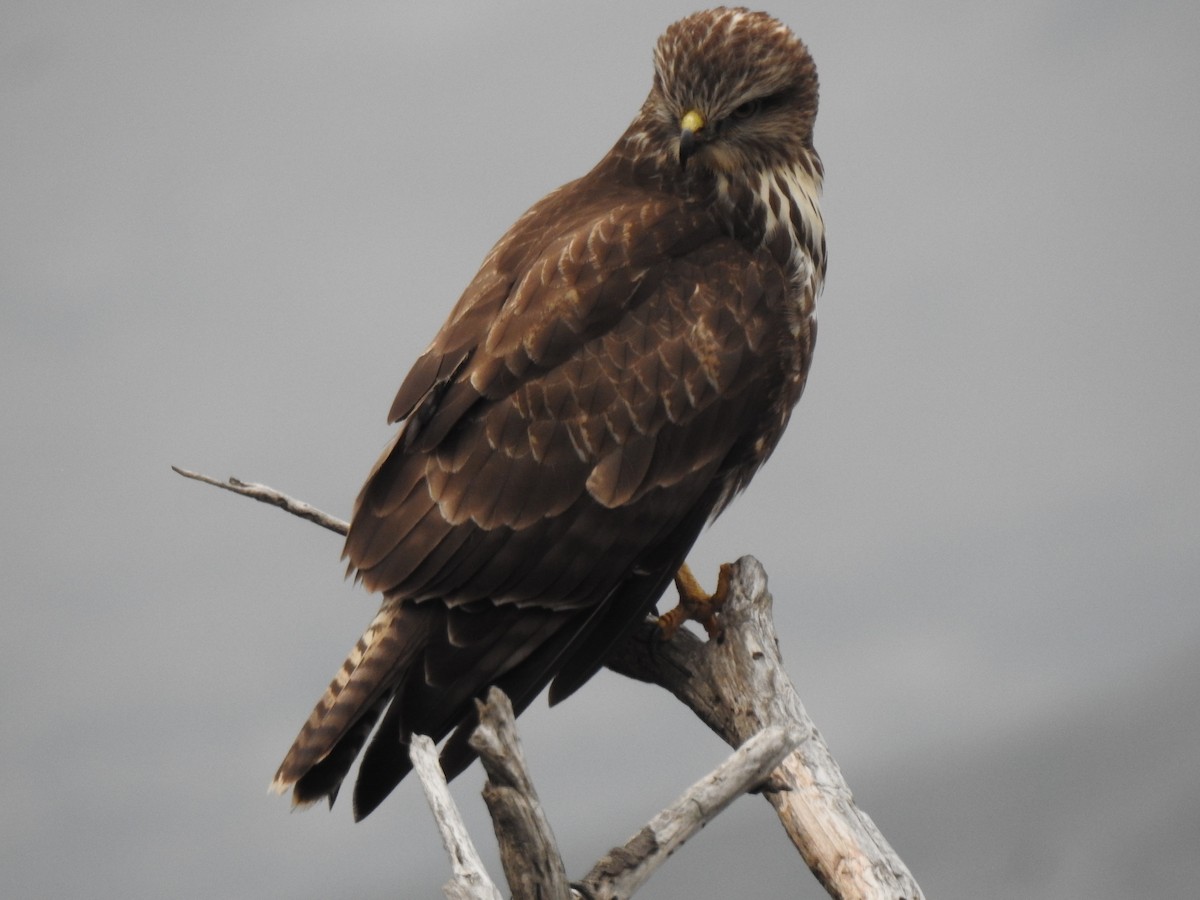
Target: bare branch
{"points": [[624, 869], [265, 494], [470, 881], [738, 686], [532, 862]]}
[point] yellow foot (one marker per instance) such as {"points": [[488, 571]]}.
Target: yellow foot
{"points": [[695, 604]]}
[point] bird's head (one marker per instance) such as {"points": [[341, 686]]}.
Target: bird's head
{"points": [[734, 90]]}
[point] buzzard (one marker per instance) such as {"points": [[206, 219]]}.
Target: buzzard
{"points": [[624, 361]]}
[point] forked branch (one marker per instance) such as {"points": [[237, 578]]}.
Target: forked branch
{"points": [[739, 688]]}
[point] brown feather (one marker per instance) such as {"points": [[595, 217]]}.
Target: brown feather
{"points": [[623, 362]]}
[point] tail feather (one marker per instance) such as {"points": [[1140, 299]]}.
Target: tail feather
{"points": [[324, 780], [435, 706], [352, 703], [420, 667]]}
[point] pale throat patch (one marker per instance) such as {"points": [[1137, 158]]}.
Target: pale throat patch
{"points": [[788, 197], [797, 192]]}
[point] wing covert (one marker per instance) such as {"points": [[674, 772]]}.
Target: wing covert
{"points": [[564, 439]]}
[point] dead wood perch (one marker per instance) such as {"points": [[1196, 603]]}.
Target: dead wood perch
{"points": [[739, 688]]}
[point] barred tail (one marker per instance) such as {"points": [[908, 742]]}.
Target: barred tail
{"points": [[338, 726]]}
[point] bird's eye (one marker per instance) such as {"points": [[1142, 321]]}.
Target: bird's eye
{"points": [[747, 109]]}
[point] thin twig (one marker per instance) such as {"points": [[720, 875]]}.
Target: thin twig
{"points": [[265, 494]]}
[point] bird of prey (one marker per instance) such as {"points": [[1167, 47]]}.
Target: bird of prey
{"points": [[626, 358]]}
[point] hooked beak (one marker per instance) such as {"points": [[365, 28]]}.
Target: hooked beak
{"points": [[691, 123]]}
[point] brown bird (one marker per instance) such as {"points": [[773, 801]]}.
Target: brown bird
{"points": [[624, 361]]}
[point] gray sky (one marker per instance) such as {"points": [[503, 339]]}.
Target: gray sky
{"points": [[227, 229]]}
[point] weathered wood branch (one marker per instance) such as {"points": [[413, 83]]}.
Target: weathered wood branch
{"points": [[530, 856], [532, 863], [470, 880], [625, 869], [739, 688]]}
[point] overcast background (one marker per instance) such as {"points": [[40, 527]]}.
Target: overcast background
{"points": [[227, 229]]}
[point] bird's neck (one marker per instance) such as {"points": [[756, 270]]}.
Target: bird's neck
{"points": [[779, 209]]}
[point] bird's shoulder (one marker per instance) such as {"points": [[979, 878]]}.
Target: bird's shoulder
{"points": [[568, 271]]}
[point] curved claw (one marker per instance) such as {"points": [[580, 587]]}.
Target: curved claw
{"points": [[697, 605]]}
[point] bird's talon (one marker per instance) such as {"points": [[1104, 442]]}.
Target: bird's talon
{"points": [[697, 605], [671, 621]]}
